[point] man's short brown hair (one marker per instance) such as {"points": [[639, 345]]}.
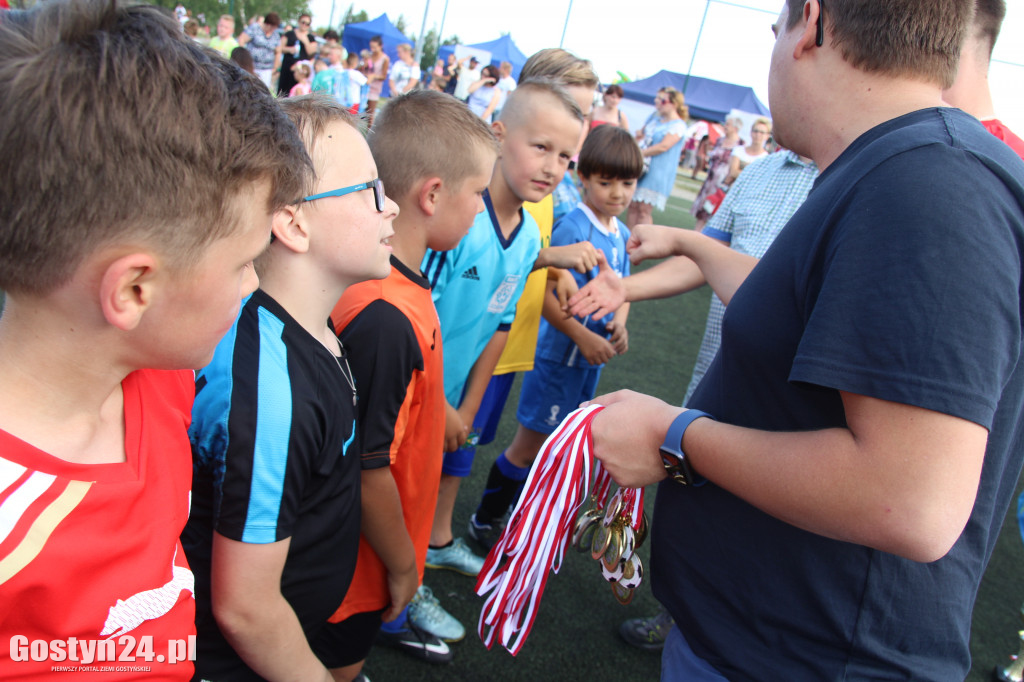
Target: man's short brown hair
{"points": [[129, 134], [988, 20], [425, 133], [918, 39], [562, 65]]}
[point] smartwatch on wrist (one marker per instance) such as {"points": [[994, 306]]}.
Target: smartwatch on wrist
{"points": [[672, 456]]}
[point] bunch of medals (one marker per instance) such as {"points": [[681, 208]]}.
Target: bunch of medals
{"points": [[539, 531], [611, 533]]}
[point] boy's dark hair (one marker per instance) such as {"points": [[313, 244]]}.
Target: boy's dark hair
{"points": [[425, 133], [905, 38], [610, 152], [331, 34], [99, 155]]}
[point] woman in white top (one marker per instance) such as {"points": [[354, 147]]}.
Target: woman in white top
{"points": [[484, 94], [742, 156]]}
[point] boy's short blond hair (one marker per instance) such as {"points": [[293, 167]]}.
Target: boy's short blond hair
{"points": [[118, 130], [521, 100], [561, 65], [311, 114], [426, 133]]}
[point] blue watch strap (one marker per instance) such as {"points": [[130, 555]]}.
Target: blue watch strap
{"points": [[674, 439]]}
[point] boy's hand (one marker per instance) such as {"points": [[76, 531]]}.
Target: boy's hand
{"points": [[619, 338], [595, 348], [565, 287], [651, 241], [402, 587], [455, 430], [601, 295], [467, 417], [581, 257]]}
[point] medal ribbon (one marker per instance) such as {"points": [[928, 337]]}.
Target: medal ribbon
{"points": [[538, 531]]}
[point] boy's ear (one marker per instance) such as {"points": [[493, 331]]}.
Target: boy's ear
{"points": [[429, 195], [290, 227], [498, 128], [127, 287]]}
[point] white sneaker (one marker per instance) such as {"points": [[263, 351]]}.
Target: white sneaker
{"points": [[426, 612]]}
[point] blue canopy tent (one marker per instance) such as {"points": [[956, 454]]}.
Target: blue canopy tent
{"points": [[706, 98], [356, 37], [502, 50]]}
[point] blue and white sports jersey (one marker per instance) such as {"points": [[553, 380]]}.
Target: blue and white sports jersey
{"points": [[476, 286], [272, 434], [581, 225]]}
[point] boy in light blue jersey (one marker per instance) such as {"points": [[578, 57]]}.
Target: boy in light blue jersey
{"points": [[476, 285], [570, 351]]}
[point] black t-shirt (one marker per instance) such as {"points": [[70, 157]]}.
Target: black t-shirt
{"points": [[899, 278], [274, 456]]}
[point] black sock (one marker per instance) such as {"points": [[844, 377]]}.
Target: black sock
{"points": [[504, 483], [447, 544]]}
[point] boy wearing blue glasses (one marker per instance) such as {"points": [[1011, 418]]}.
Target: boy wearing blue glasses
{"points": [[275, 519]]}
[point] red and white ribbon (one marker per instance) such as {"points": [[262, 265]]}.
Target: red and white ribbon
{"points": [[537, 533], [534, 541]]}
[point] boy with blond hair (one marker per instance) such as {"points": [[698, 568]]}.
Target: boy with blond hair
{"points": [[275, 519], [121, 267], [394, 337], [477, 285]]}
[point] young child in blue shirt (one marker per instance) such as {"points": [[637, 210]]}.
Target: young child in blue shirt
{"points": [[570, 351]]}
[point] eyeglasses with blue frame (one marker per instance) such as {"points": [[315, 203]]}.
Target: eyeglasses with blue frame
{"points": [[376, 185]]}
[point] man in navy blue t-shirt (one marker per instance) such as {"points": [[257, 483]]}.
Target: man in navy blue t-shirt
{"points": [[858, 430]]}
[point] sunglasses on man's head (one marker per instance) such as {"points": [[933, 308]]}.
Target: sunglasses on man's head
{"points": [[376, 185]]}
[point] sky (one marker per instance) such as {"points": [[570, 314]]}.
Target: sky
{"points": [[640, 37]]}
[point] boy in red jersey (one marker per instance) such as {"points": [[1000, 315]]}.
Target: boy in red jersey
{"points": [[126, 243]]}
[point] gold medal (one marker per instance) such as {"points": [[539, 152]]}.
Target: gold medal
{"points": [[583, 536], [613, 554], [641, 531], [623, 594], [613, 510], [628, 542], [602, 538], [632, 572]]}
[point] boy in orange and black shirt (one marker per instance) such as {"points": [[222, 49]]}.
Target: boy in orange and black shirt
{"points": [[393, 335]]}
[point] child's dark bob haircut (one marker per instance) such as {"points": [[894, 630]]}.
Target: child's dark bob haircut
{"points": [[610, 152]]}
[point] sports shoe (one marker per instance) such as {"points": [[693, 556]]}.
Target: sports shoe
{"points": [[487, 534], [647, 633], [426, 612], [456, 557], [417, 643]]}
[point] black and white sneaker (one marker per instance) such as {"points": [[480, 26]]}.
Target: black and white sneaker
{"points": [[417, 643]]}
